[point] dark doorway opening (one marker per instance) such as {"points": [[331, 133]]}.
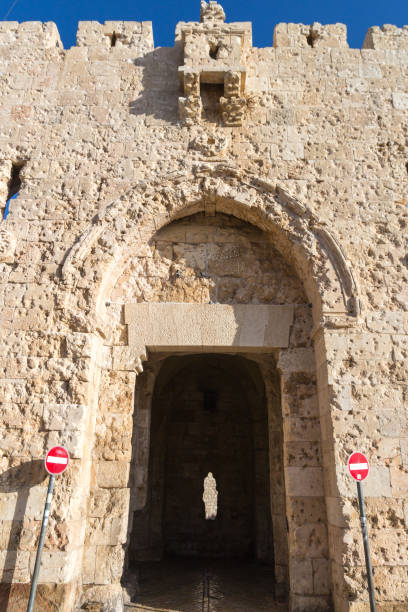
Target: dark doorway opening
{"points": [[208, 498]]}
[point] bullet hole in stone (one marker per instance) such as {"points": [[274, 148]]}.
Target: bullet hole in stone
{"points": [[210, 497]]}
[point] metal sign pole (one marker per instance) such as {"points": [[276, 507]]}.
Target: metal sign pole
{"points": [[366, 547], [46, 514]]}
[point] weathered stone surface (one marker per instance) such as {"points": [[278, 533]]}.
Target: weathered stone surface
{"points": [[286, 186]]}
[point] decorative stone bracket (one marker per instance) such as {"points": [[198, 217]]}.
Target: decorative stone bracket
{"points": [[214, 53]]}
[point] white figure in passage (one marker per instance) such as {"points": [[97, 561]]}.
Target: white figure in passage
{"points": [[210, 497]]}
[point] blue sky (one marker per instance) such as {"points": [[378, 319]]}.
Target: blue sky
{"points": [[359, 15]]}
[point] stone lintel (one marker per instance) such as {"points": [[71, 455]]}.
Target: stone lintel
{"points": [[209, 73], [208, 327]]}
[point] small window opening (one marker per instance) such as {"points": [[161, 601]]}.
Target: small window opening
{"points": [[210, 97], [114, 38], [210, 400], [14, 186], [210, 497]]}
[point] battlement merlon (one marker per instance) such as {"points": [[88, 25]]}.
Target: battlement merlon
{"points": [[30, 34], [132, 34], [386, 37], [317, 36]]}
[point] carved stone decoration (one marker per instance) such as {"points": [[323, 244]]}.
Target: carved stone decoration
{"points": [[232, 110], [210, 145], [211, 11], [190, 109], [232, 84], [214, 54], [191, 84], [7, 245]]}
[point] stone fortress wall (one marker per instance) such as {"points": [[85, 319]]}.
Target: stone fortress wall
{"points": [[112, 140]]}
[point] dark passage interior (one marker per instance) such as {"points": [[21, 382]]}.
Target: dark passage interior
{"points": [[208, 485]]}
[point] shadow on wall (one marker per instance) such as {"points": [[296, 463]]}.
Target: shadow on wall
{"points": [[160, 91], [18, 480]]}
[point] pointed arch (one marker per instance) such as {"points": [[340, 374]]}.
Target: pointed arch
{"points": [[96, 259]]}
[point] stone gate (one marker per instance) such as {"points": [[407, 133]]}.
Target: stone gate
{"points": [[204, 270]]}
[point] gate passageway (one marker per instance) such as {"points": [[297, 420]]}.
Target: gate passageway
{"points": [[206, 585], [204, 542]]}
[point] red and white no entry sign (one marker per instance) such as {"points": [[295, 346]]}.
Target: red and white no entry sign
{"points": [[358, 466], [56, 460]]}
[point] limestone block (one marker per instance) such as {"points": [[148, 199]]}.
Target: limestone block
{"points": [[78, 345], [117, 390], [112, 474], [109, 564], [301, 430], [56, 566], [392, 583], [387, 545], [312, 603], [91, 33], [321, 577], [310, 541], [64, 416], [385, 322], [107, 531], [89, 564], [113, 437], [114, 502], [399, 481], [303, 454], [185, 326], [72, 440], [103, 598], [400, 99], [296, 360], [304, 482], [377, 484], [14, 566], [306, 510], [302, 576]]}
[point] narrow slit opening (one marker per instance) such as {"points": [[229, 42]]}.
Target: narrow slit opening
{"points": [[210, 497], [13, 187]]}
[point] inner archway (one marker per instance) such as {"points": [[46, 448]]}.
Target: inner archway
{"points": [[209, 415]]}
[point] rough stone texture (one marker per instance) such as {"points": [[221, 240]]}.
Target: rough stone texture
{"points": [[286, 184]]}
